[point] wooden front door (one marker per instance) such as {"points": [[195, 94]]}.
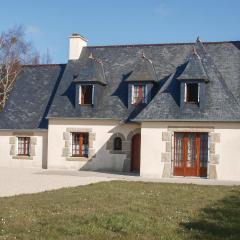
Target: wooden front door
{"points": [[190, 154], [135, 161]]}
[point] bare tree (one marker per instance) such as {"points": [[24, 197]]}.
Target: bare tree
{"points": [[15, 51], [46, 58]]}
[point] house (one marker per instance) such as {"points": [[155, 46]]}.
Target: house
{"points": [[162, 110]]}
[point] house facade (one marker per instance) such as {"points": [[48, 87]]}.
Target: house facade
{"points": [[163, 110]]}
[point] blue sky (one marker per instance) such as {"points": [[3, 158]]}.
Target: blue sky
{"points": [[48, 23]]}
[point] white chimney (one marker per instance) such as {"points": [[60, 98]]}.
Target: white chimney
{"points": [[76, 44]]}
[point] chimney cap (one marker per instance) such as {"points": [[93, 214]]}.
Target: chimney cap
{"points": [[77, 35]]}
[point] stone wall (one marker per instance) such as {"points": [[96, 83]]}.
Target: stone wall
{"points": [[13, 141], [66, 152]]}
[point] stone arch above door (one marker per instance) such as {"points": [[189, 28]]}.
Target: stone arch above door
{"points": [[132, 133], [126, 147]]}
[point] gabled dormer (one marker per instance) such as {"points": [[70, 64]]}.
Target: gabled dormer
{"points": [[90, 82], [141, 81], [193, 81]]}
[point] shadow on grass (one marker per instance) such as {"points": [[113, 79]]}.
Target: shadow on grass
{"points": [[220, 220]]}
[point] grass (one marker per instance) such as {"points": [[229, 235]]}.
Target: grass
{"points": [[124, 210]]}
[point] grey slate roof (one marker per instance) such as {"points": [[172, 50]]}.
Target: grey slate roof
{"points": [[221, 61], [143, 70], [194, 68], [31, 97], [220, 103], [91, 72], [49, 91]]}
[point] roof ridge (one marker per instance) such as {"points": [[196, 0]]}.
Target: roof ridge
{"points": [[157, 44]]}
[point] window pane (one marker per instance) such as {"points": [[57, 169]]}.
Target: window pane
{"points": [[80, 144], [179, 144], [139, 93], [86, 94], [85, 145], [191, 150], [75, 144], [24, 146], [192, 92]]}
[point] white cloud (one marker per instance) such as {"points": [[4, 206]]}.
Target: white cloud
{"points": [[34, 31]]}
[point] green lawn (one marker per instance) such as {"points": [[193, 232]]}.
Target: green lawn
{"points": [[124, 210]]}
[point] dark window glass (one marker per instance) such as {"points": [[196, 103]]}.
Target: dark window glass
{"points": [[80, 144], [192, 92], [24, 146], [86, 94], [117, 143]]}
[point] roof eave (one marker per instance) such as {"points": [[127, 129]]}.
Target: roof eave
{"points": [[183, 120], [78, 118], [140, 80], [90, 82], [25, 130], [194, 78]]}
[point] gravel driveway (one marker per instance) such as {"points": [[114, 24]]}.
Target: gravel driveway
{"points": [[15, 181]]}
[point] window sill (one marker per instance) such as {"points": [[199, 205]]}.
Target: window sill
{"points": [[138, 103], [22, 157], [77, 159], [117, 152], [86, 105], [194, 103]]}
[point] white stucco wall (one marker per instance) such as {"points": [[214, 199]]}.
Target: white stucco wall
{"points": [[38, 161], [152, 147], [229, 151], [76, 44], [103, 130], [228, 148], [49, 146]]}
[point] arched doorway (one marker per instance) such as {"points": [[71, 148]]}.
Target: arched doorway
{"points": [[135, 153]]}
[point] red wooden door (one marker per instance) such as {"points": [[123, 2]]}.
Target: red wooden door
{"points": [[190, 154], [135, 161]]}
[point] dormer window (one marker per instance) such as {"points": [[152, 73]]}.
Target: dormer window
{"points": [[192, 92], [139, 94], [86, 94]]}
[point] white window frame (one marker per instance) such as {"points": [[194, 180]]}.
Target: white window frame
{"points": [[80, 93], [132, 100], [185, 92], [93, 89], [198, 92], [70, 142]]}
